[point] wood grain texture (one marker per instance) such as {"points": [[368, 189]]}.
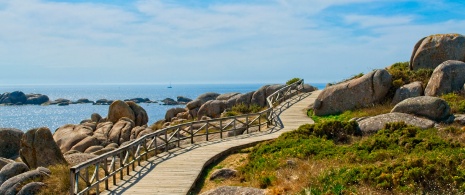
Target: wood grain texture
{"points": [[176, 172]]}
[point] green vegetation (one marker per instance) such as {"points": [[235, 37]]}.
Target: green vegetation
{"points": [[376, 109], [240, 109], [293, 80], [398, 159], [401, 74], [456, 101]]}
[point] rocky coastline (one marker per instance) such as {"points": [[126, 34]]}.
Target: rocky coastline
{"points": [[415, 103], [17, 98]]}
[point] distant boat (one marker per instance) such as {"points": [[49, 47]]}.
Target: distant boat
{"points": [[170, 86]]}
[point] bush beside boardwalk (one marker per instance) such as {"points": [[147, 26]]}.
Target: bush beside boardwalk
{"points": [[394, 158]]}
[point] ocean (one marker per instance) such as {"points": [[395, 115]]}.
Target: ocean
{"points": [[27, 117]]}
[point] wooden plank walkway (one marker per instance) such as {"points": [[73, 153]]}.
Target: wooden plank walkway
{"points": [[176, 171]]}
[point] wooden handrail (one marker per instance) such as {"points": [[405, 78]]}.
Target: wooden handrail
{"points": [[121, 159]]}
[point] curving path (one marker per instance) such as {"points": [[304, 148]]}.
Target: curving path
{"points": [[177, 171]]}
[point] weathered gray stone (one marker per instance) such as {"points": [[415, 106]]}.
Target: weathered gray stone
{"points": [[373, 124], [446, 78], [360, 92], [12, 169], [224, 173], [31, 188], [119, 109], [69, 135], [14, 97], [103, 131], [235, 190], [121, 131], [141, 117], [308, 88], [10, 142], [433, 50], [169, 101], [9, 187], [430, 107], [259, 96], [93, 149], [39, 149], [76, 158], [36, 99], [95, 117], [226, 96], [273, 88], [212, 108], [244, 98], [172, 113], [182, 99], [5, 161], [410, 90], [86, 143]]}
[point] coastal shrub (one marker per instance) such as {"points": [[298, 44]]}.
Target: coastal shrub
{"points": [[374, 110], [397, 159], [456, 101], [291, 81], [401, 75], [245, 109], [337, 131]]}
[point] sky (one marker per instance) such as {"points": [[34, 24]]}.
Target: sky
{"points": [[212, 41]]}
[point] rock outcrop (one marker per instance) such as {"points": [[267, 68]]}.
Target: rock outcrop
{"points": [[212, 108], [11, 186], [201, 100], [36, 99], [373, 124], [433, 50], [430, 107], [410, 90], [121, 131], [39, 149], [10, 142], [366, 90], [183, 100], [224, 173], [172, 113], [5, 161], [141, 117], [259, 96], [12, 169], [446, 78], [229, 190], [31, 188], [16, 97], [69, 135], [119, 109]]}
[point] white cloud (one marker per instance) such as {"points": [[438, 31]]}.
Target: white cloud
{"points": [[154, 40], [366, 21]]}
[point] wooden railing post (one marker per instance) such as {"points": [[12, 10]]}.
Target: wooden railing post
{"points": [[221, 129], [206, 129], [128, 155]]}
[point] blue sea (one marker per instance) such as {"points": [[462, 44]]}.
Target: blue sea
{"points": [[26, 117]]}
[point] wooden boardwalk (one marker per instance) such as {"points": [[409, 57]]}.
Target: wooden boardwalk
{"points": [[176, 171]]}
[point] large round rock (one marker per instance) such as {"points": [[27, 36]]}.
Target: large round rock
{"points": [[410, 90], [366, 90], [431, 51], [69, 135], [375, 123], [430, 107], [119, 109], [9, 142], [39, 149], [446, 78]]}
